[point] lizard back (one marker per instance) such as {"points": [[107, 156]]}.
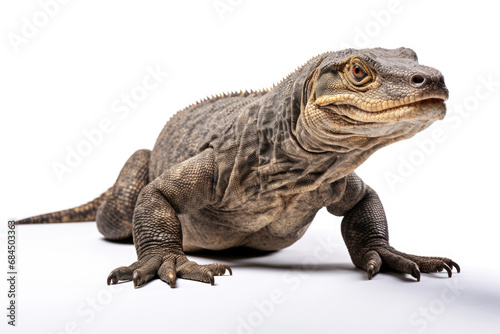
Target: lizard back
{"points": [[192, 129]]}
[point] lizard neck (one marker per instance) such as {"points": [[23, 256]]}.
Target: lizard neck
{"points": [[287, 160]]}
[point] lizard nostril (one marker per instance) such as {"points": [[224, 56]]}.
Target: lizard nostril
{"points": [[417, 80]]}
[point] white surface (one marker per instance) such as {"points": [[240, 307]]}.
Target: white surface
{"points": [[68, 77]]}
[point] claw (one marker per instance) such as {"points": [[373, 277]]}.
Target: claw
{"points": [[226, 267], [447, 268], [138, 279], [370, 271], [112, 279], [454, 264], [415, 272], [135, 279], [211, 277], [171, 279]]}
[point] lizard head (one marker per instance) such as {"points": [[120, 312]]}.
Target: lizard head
{"points": [[369, 98]]}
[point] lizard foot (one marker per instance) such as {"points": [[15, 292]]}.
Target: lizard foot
{"points": [[404, 263], [167, 268]]}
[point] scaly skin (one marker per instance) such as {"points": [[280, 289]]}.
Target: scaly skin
{"points": [[252, 169]]}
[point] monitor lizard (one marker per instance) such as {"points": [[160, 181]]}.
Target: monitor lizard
{"points": [[253, 168]]}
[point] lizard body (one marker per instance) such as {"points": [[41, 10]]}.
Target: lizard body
{"points": [[253, 168]]}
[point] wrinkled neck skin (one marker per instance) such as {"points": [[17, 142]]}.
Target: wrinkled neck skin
{"points": [[302, 147]]}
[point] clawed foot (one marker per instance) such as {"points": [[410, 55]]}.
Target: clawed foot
{"points": [[405, 263], [167, 268]]}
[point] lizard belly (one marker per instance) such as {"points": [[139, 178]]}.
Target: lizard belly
{"points": [[268, 223]]}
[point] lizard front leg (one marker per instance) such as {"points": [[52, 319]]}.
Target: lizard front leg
{"points": [[157, 230], [365, 232]]}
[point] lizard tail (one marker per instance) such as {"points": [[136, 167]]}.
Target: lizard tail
{"points": [[83, 213]]}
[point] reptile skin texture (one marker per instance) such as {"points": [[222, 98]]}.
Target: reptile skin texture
{"points": [[252, 169]]}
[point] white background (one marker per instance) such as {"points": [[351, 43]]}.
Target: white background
{"points": [[65, 78]]}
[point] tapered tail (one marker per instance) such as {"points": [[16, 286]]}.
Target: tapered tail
{"points": [[83, 213]]}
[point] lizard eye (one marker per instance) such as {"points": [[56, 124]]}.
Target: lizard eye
{"points": [[357, 72]]}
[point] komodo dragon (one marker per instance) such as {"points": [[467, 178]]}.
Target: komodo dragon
{"points": [[252, 169]]}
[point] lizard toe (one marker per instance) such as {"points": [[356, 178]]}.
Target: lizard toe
{"points": [[373, 262], [146, 271], [219, 269], [122, 273], [167, 272], [397, 262], [203, 273]]}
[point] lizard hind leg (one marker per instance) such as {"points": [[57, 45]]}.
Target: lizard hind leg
{"points": [[114, 215]]}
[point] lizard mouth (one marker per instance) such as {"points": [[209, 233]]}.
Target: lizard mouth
{"points": [[350, 108]]}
